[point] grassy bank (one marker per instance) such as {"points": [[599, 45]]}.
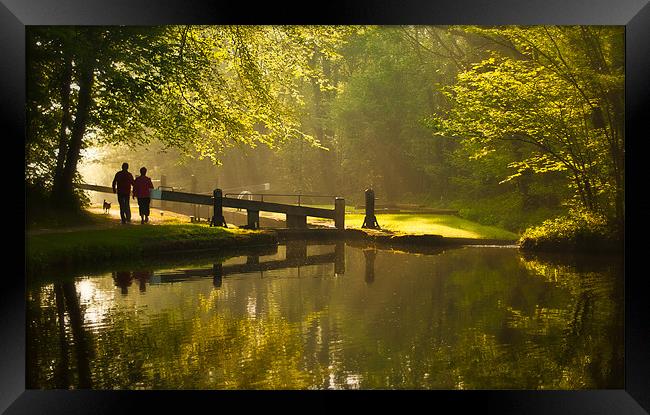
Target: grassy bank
{"points": [[70, 248], [97, 238], [58, 219], [446, 225]]}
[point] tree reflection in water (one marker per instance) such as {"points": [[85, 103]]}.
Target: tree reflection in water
{"points": [[473, 318]]}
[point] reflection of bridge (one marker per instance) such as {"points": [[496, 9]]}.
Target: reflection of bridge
{"points": [[296, 257]]}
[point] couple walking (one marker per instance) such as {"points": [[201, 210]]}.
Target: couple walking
{"points": [[141, 189]]}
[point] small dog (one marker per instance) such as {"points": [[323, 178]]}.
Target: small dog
{"points": [[107, 206]]}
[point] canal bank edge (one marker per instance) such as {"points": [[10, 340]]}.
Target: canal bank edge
{"points": [[71, 249], [386, 237]]}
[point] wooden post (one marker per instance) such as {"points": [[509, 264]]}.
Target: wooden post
{"points": [[339, 213], [217, 213], [370, 221], [296, 221], [253, 219]]}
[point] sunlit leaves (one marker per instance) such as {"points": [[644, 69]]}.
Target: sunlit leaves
{"points": [[242, 84], [545, 97], [197, 88], [579, 229]]}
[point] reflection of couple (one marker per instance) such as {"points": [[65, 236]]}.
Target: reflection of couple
{"points": [[142, 186], [123, 279]]}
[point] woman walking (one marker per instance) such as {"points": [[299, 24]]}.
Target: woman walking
{"points": [[141, 189]]}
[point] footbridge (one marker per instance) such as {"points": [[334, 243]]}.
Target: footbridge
{"points": [[296, 215]]}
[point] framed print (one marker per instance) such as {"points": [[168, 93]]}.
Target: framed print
{"points": [[244, 263]]}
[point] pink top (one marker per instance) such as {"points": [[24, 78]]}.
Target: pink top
{"points": [[142, 186]]}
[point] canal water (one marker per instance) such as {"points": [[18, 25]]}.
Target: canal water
{"points": [[333, 317]]}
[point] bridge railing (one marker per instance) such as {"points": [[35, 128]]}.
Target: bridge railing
{"points": [[299, 197]]}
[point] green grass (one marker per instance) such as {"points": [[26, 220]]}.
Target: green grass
{"points": [[53, 219], [76, 247], [427, 223], [445, 225]]}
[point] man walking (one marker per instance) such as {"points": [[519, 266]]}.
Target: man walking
{"points": [[123, 181]]}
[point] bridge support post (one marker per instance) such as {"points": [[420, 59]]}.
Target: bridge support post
{"points": [[339, 213], [253, 219], [217, 214], [296, 221], [370, 221]]}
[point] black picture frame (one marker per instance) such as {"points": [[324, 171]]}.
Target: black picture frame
{"points": [[633, 14]]}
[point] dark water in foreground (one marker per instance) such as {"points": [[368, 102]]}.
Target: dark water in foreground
{"points": [[334, 317]]}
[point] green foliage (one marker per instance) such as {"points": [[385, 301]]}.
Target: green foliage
{"points": [[129, 66], [548, 93], [200, 89], [233, 84], [579, 230]]}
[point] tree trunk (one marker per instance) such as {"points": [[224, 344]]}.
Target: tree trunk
{"points": [[63, 188], [64, 88], [581, 193], [591, 198]]}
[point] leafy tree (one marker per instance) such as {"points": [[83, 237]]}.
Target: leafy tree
{"points": [[195, 88], [559, 93]]}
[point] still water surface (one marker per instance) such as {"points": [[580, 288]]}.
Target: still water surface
{"points": [[333, 317]]}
